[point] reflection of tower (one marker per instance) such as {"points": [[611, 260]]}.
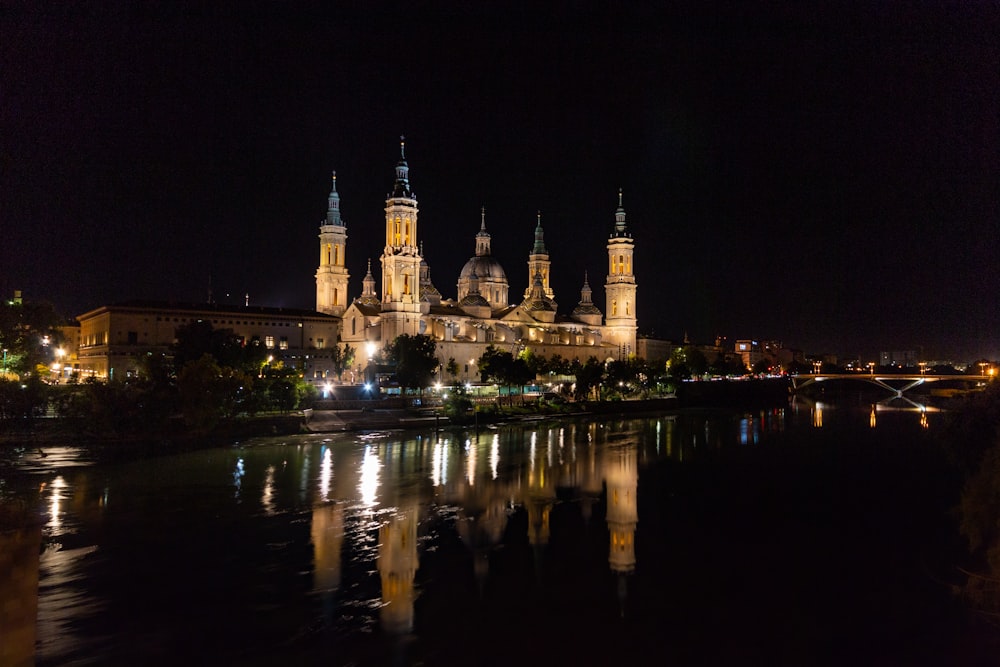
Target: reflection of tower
{"points": [[327, 533], [622, 477], [621, 474], [482, 531], [397, 566], [19, 551]]}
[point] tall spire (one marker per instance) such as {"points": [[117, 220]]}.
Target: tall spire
{"points": [[482, 237], [333, 205], [539, 248], [402, 187], [368, 296], [620, 216]]}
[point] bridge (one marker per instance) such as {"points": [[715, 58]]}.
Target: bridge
{"points": [[897, 385]]}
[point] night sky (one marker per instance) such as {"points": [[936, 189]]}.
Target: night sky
{"points": [[824, 175]]}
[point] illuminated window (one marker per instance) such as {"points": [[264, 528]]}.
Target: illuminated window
{"points": [[336, 254], [269, 342], [406, 284], [626, 308], [406, 237], [320, 343], [283, 343], [614, 307], [328, 252]]}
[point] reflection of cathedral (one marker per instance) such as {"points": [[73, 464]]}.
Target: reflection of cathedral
{"points": [[481, 314]]}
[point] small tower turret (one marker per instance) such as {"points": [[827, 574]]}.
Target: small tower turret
{"points": [[538, 262], [332, 276], [620, 287], [401, 258]]}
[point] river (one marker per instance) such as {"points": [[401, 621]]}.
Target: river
{"points": [[696, 537]]}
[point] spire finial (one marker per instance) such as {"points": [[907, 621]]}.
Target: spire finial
{"points": [[620, 216], [333, 203], [539, 248], [483, 213], [402, 146]]}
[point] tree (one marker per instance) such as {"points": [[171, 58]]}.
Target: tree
{"points": [[343, 358], [198, 387], [452, 369], [494, 365], [197, 339], [588, 377], [413, 357], [687, 361], [28, 333]]}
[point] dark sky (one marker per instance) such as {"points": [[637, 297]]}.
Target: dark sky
{"points": [[825, 175]]}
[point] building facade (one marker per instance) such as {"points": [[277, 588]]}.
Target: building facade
{"points": [[481, 314], [114, 338]]}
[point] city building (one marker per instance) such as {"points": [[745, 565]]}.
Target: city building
{"points": [[112, 339], [481, 314]]}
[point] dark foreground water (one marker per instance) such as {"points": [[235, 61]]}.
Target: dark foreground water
{"points": [[794, 536]]}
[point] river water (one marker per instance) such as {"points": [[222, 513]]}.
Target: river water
{"points": [[580, 541]]}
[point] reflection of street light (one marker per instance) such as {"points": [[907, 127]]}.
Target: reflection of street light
{"points": [[871, 367]]}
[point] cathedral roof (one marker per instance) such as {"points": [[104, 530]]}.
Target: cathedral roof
{"points": [[473, 299], [486, 267], [368, 309]]}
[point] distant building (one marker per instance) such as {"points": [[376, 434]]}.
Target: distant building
{"points": [[901, 358], [113, 338]]}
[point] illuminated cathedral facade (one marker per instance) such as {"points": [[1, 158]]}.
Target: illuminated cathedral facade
{"points": [[482, 312]]}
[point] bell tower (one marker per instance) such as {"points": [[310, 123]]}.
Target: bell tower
{"points": [[401, 257], [332, 275], [539, 263], [620, 288]]}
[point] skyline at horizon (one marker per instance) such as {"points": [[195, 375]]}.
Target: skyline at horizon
{"points": [[828, 179]]}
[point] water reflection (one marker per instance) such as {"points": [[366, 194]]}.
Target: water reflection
{"points": [[19, 594], [343, 525]]}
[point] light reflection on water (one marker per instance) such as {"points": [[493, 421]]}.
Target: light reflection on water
{"points": [[333, 550]]}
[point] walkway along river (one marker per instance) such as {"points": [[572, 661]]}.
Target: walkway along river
{"points": [[779, 537]]}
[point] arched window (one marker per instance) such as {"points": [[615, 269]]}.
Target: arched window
{"points": [[614, 308]]}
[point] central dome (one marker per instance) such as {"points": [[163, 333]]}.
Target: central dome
{"points": [[492, 280], [487, 268]]}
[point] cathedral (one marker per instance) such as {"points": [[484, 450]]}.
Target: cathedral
{"points": [[482, 312]]}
